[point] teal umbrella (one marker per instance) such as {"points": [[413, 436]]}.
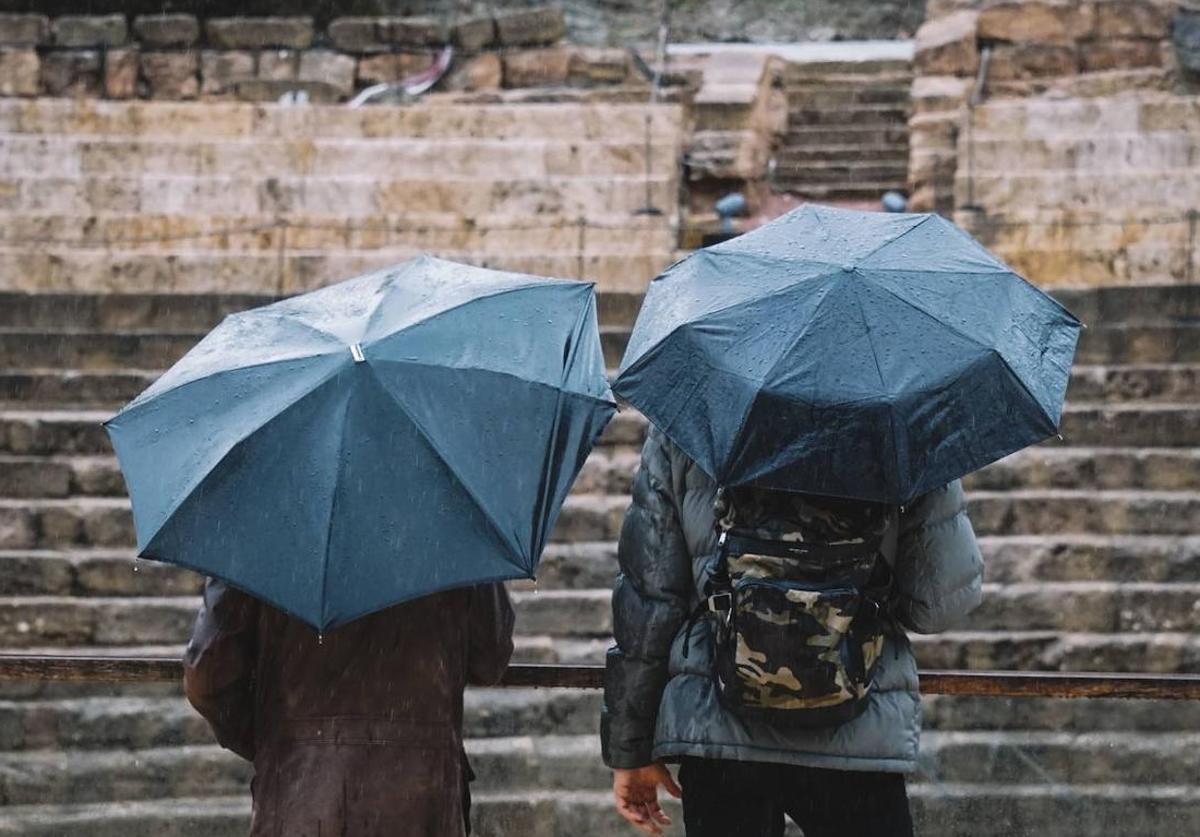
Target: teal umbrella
{"points": [[405, 432], [865, 355]]}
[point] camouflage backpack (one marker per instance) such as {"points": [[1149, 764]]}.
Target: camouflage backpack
{"points": [[799, 596]]}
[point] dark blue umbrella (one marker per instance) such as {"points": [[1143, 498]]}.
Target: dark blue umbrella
{"points": [[866, 355], [405, 432]]}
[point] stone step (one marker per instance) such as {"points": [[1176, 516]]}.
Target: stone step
{"points": [[939, 811], [899, 78], [1135, 425], [818, 71], [36, 432], [889, 133], [819, 97], [549, 763], [819, 154], [1059, 511], [1052, 466], [838, 172], [954, 713], [1141, 304], [1110, 152], [1137, 343], [1091, 557], [1175, 188], [855, 115], [1060, 757], [438, 121], [592, 565], [352, 196], [840, 191], [54, 389], [288, 230], [1055, 651], [125, 271], [1128, 609], [103, 722], [476, 156]]}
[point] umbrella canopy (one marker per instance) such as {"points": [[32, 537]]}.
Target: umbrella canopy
{"points": [[405, 432], [865, 355]]}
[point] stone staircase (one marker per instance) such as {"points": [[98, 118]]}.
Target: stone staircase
{"points": [[1092, 546], [229, 197], [847, 136]]}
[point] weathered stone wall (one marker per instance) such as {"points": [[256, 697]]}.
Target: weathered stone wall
{"points": [[594, 22], [1096, 200], [180, 56]]}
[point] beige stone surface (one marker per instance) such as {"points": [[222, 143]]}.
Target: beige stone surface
{"points": [[537, 67], [940, 93], [1131, 19], [330, 67], [484, 71], [378, 69], [20, 71], [474, 33], [1032, 60], [417, 31], [948, 45], [220, 70], [1115, 53], [1035, 22], [171, 75], [598, 65], [278, 64], [75, 72], [121, 70], [358, 34]]}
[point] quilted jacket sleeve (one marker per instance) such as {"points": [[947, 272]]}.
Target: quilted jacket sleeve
{"points": [[939, 571], [650, 604]]}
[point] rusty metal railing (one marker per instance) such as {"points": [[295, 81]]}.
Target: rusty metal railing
{"points": [[1053, 684]]}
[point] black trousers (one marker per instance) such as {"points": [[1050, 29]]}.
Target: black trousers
{"points": [[750, 799]]}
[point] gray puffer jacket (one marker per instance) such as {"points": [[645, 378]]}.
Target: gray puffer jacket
{"points": [[659, 705]]}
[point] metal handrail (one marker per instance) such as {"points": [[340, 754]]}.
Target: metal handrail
{"points": [[1052, 684]]}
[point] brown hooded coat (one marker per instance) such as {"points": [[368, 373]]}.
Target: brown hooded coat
{"points": [[356, 733]]}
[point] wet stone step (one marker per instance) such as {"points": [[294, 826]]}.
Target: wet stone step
{"points": [[1054, 651], [1049, 466], [838, 173], [130, 722], [1083, 512], [1089, 557], [1137, 758], [993, 715], [1140, 343]]}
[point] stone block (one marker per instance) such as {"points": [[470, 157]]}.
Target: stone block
{"points": [[359, 34], [75, 72], [484, 71], [121, 68], [332, 68], [598, 65], [931, 94], [416, 31], [89, 31], [537, 67], [20, 71], [172, 75], [260, 32], [221, 70], [167, 30], [530, 27], [24, 30], [1025, 22], [278, 65], [1028, 61], [1120, 54], [383, 69], [947, 46], [1131, 19], [474, 33]]}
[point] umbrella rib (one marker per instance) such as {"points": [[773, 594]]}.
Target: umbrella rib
{"points": [[424, 365], [882, 383], [927, 314], [514, 549], [534, 283], [333, 505], [893, 239]]}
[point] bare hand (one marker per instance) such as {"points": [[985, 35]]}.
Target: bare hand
{"points": [[636, 792]]}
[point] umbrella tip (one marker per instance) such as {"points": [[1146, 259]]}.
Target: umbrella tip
{"points": [[357, 352]]}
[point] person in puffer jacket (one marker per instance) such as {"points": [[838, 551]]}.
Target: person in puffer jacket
{"points": [[741, 777]]}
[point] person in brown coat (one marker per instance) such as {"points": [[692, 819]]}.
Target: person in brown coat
{"points": [[358, 732]]}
